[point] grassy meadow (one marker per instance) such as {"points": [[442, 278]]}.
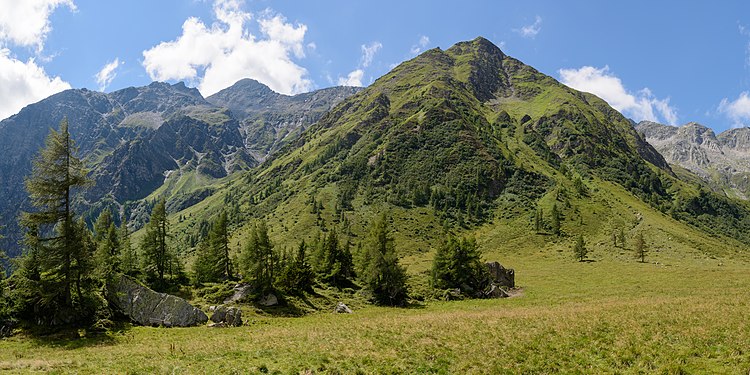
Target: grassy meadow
{"points": [[606, 316]]}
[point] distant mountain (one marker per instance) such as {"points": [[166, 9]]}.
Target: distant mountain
{"points": [[142, 139], [270, 120], [723, 160]]}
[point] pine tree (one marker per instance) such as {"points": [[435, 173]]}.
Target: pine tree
{"points": [[297, 275], [218, 238], [579, 249], [128, 255], [555, 220], [259, 259], [384, 277], [61, 256], [335, 264], [457, 264], [640, 247], [107, 246], [157, 258]]}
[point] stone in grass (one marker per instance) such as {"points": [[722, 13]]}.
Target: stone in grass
{"points": [[147, 307], [341, 308], [269, 300], [232, 316]]}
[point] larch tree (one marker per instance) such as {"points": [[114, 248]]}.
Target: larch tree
{"points": [[640, 247], [384, 277], [55, 240], [579, 248], [218, 238], [157, 259], [259, 259]]}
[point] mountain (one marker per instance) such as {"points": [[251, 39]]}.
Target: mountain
{"points": [[467, 140], [141, 140], [270, 120], [723, 160]]}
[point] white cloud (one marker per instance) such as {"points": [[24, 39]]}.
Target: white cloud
{"points": [[219, 55], [420, 46], [600, 82], [531, 31], [22, 83], [353, 79], [26, 22], [105, 76], [368, 53], [737, 110]]}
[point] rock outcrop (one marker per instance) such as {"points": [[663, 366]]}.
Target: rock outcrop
{"points": [[241, 292], [230, 316], [501, 276], [147, 307]]}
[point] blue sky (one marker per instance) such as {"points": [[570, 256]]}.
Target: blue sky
{"points": [[670, 61]]}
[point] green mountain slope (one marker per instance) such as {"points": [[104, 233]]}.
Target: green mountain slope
{"points": [[472, 141]]}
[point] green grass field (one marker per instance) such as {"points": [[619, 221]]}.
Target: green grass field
{"points": [[606, 316]]}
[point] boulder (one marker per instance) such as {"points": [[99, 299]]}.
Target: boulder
{"points": [[217, 325], [241, 292], [496, 292], [341, 308], [147, 307], [231, 316], [269, 300], [500, 275], [6, 328]]}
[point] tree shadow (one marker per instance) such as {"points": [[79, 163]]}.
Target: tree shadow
{"points": [[71, 338]]}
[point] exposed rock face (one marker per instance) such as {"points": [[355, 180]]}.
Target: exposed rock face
{"points": [[501, 276], [723, 160], [231, 316], [341, 308], [147, 307]]}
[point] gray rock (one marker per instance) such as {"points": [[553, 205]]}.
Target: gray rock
{"points": [[496, 292], [217, 325], [500, 275], [341, 308], [232, 316], [269, 300], [241, 292], [147, 307]]}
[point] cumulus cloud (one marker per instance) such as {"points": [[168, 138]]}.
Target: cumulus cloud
{"points": [[26, 23], [105, 76], [642, 105], [22, 83], [531, 31], [737, 110], [221, 54], [420, 46], [354, 78]]}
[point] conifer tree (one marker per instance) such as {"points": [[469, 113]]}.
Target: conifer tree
{"points": [[218, 238], [555, 220], [457, 264], [259, 259], [640, 247], [157, 258], [579, 248], [128, 255], [56, 242], [335, 264], [297, 275], [204, 266], [384, 277], [107, 246]]}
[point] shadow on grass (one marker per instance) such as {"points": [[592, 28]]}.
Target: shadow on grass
{"points": [[71, 338]]}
